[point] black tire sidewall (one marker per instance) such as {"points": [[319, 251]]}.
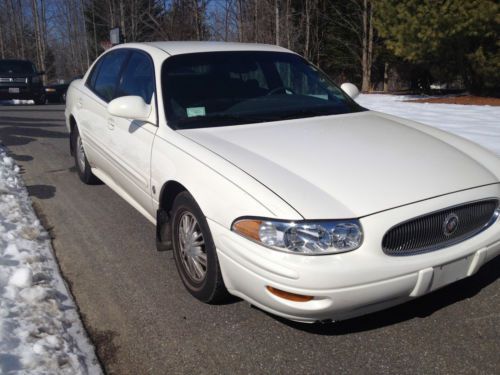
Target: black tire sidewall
{"points": [[86, 175], [206, 289], [40, 100]]}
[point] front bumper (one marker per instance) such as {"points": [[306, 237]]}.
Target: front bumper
{"points": [[358, 282]]}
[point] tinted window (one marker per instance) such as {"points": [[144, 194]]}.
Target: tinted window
{"points": [[243, 87], [93, 74], [107, 76], [138, 77], [16, 67]]}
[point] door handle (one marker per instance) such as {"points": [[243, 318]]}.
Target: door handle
{"points": [[111, 124], [79, 103]]}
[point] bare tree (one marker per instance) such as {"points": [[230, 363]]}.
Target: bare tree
{"points": [[39, 35], [307, 23], [277, 21], [367, 56], [2, 38]]}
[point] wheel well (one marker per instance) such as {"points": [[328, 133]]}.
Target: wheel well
{"points": [[72, 124], [168, 193]]}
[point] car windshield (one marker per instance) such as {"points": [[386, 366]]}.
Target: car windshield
{"points": [[16, 67], [230, 88]]}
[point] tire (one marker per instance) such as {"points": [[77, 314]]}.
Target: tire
{"points": [[39, 100], [81, 163], [203, 279]]}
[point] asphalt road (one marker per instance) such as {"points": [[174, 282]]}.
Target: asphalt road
{"points": [[142, 321]]}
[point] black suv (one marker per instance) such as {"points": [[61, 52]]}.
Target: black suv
{"points": [[19, 79]]}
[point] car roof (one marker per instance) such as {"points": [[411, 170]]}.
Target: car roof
{"points": [[177, 48]]}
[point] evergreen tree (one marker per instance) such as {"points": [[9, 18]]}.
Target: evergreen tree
{"points": [[451, 38]]}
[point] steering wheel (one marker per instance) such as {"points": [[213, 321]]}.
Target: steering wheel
{"points": [[280, 88]]}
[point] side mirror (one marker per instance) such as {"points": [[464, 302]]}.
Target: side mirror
{"points": [[350, 90], [130, 107]]}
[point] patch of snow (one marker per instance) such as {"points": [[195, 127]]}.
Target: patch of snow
{"points": [[477, 123], [40, 330], [22, 278]]}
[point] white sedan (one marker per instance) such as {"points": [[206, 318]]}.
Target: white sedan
{"points": [[270, 183]]}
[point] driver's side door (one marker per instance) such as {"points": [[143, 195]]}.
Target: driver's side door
{"points": [[131, 140]]}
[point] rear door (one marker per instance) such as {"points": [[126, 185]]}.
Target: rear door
{"points": [[94, 123], [131, 140]]}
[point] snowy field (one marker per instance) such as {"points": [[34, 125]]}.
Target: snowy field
{"points": [[40, 330], [480, 124]]}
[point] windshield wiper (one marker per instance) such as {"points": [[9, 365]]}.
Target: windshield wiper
{"points": [[302, 113]]}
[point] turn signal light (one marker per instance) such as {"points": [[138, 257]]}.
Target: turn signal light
{"points": [[289, 296], [248, 228]]}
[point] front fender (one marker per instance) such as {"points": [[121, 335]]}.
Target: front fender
{"points": [[222, 191]]}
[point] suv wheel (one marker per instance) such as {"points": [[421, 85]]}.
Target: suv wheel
{"points": [[39, 100]]}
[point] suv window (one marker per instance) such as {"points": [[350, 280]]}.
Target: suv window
{"points": [[107, 75], [16, 67], [138, 77]]}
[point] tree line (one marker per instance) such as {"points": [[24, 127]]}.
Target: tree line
{"points": [[382, 45]]}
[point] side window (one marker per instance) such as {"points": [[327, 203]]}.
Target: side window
{"points": [[93, 75], [107, 76], [138, 77]]}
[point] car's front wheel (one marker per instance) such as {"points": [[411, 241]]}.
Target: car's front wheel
{"points": [[81, 162], [194, 251]]}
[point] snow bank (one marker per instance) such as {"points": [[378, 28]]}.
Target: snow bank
{"points": [[40, 330], [480, 124]]}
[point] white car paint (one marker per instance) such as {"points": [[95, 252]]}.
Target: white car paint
{"points": [[375, 167], [364, 150]]}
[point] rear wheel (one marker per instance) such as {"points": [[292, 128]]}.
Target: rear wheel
{"points": [[194, 251], [81, 162]]}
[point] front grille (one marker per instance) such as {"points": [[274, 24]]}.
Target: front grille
{"points": [[13, 80], [429, 232]]}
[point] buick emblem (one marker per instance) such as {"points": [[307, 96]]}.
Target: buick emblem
{"points": [[11, 80], [450, 224]]}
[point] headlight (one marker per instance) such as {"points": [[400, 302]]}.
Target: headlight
{"points": [[303, 237], [50, 89]]}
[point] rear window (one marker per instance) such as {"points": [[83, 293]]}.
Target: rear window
{"points": [[16, 67]]}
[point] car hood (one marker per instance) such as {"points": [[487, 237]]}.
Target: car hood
{"points": [[345, 166]]}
